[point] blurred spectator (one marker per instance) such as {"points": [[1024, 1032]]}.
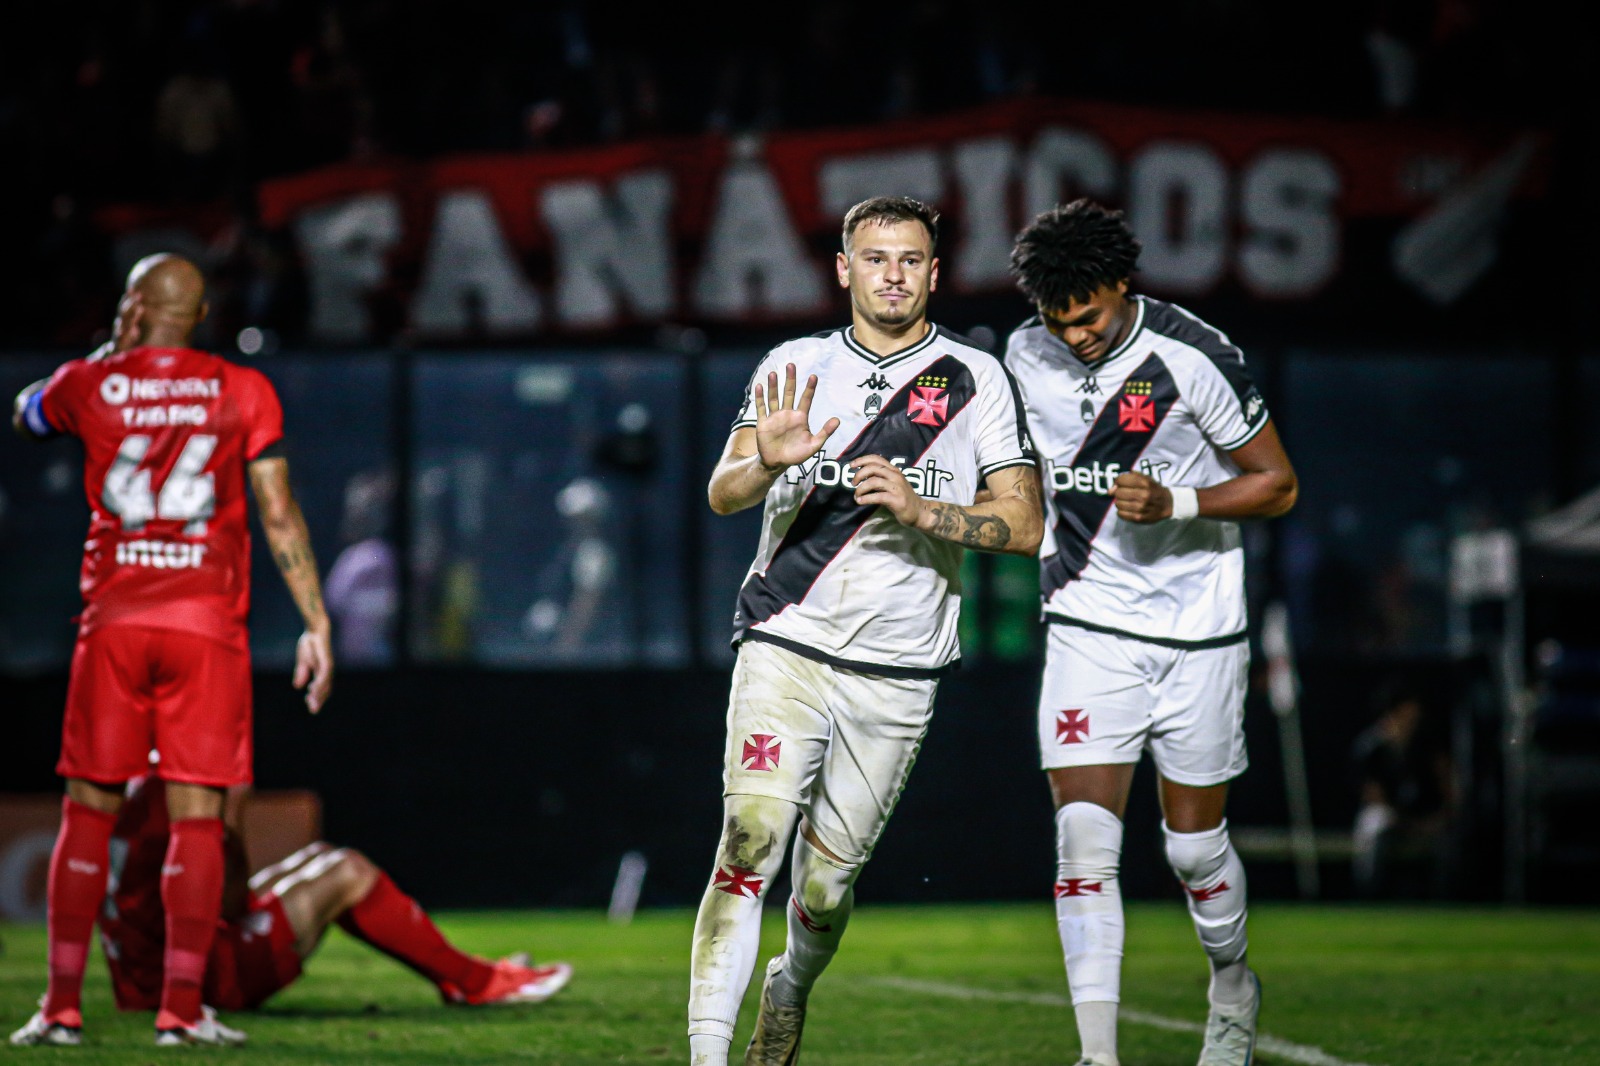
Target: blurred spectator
{"points": [[1403, 837], [363, 589], [334, 111], [572, 616], [197, 125]]}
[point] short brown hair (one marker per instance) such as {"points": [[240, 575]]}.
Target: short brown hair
{"points": [[881, 210]]}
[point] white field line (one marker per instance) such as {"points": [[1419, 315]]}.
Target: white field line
{"points": [[1266, 1045]]}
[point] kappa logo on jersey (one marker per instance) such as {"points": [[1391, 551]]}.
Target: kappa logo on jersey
{"points": [[737, 881], [761, 752], [1253, 407], [1089, 387], [1072, 726], [874, 381], [1136, 411], [929, 405], [1078, 886]]}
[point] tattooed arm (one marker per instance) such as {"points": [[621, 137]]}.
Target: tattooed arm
{"points": [[290, 543], [1011, 518]]}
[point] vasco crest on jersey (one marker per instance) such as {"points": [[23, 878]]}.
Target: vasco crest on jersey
{"points": [[1136, 410], [929, 404]]}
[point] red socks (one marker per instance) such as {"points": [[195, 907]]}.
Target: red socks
{"points": [[77, 888], [396, 925], [191, 892]]}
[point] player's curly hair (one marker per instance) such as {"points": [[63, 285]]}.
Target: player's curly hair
{"points": [[885, 209], [1069, 253]]}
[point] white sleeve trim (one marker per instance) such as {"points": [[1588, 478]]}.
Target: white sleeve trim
{"points": [[1021, 460], [1247, 438]]}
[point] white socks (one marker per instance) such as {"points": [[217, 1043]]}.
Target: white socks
{"points": [[727, 931], [819, 909], [1213, 880], [1089, 917]]}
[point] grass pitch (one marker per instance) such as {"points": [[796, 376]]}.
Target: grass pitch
{"points": [[928, 985]]}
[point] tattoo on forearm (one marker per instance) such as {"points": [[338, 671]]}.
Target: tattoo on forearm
{"points": [[973, 530], [298, 565], [1028, 489], [292, 557]]}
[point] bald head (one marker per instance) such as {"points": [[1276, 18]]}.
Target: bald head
{"points": [[172, 294]]}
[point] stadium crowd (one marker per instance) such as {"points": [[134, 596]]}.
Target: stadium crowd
{"points": [[190, 104]]}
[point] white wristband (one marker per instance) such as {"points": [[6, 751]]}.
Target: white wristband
{"points": [[1185, 503]]}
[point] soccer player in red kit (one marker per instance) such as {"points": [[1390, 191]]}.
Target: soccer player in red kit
{"points": [[162, 661], [272, 922]]}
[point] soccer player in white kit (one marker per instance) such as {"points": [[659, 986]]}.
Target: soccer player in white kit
{"points": [[1153, 442], [848, 615]]}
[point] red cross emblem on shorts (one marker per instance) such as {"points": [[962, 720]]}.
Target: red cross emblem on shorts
{"points": [[1203, 895], [759, 749], [737, 881], [1071, 726], [1077, 886], [1137, 414], [928, 407]]}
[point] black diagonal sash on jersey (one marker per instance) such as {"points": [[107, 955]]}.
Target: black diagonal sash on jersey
{"points": [[1079, 514], [830, 516]]}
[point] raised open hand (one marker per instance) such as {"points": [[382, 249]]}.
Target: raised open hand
{"points": [[783, 429]]}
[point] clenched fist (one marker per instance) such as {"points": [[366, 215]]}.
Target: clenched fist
{"points": [[1141, 499]]}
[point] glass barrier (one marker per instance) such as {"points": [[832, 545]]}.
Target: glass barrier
{"points": [[43, 519], [338, 431], [1396, 454], [547, 510]]}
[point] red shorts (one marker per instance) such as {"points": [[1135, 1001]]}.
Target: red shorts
{"points": [[135, 689], [250, 960]]}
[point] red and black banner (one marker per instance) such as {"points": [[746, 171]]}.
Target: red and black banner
{"points": [[741, 229]]}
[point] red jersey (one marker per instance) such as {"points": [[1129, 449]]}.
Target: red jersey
{"points": [[167, 433]]}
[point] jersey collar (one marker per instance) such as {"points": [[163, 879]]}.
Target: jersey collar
{"points": [[893, 357]]}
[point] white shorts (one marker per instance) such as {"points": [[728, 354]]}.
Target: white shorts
{"points": [[838, 743], [1107, 698]]}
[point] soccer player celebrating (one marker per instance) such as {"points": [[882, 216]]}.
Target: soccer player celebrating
{"points": [[162, 661], [272, 923], [848, 615], [1155, 442]]}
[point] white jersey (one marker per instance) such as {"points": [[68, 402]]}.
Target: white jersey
{"points": [[847, 584], [1170, 402]]}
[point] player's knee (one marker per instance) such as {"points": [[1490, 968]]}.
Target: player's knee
{"points": [[1088, 840], [1195, 857], [357, 874], [821, 885], [754, 831]]}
